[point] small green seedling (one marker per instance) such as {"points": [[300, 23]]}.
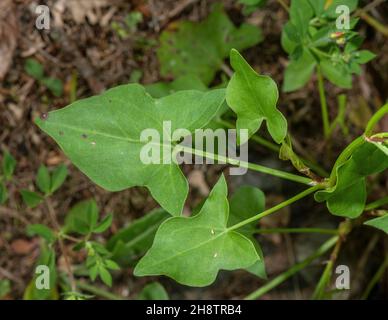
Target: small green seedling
{"points": [[47, 183], [8, 165], [36, 70], [317, 38]]}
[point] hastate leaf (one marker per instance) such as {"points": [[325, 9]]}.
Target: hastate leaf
{"points": [[253, 98], [193, 250], [101, 136], [347, 198], [200, 48]]}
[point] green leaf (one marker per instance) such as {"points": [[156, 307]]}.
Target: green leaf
{"points": [[333, 4], [246, 202], [3, 193], [337, 73], [58, 177], [187, 82], [379, 223], [102, 137], [5, 287], [253, 98], [42, 231], [132, 242], [364, 56], [382, 145], [82, 218], [43, 180], [193, 250], [54, 85], [104, 224], [110, 264], [301, 13], [153, 291], [30, 198], [347, 198], [200, 48], [299, 72], [8, 165], [34, 69], [318, 6], [46, 258], [105, 276]]}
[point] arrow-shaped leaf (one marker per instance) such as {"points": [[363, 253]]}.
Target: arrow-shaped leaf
{"points": [[253, 98], [193, 250], [102, 137], [347, 198]]}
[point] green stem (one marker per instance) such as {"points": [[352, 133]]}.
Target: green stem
{"points": [[322, 97], [378, 275], [375, 119], [264, 142], [376, 204], [275, 208], [297, 230], [293, 270], [284, 5], [373, 22], [247, 165], [98, 291], [320, 290], [320, 52], [274, 147]]}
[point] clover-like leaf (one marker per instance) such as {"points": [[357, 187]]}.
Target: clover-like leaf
{"points": [[347, 198], [200, 48], [8, 165], [31, 198], [82, 218], [253, 98], [192, 250], [102, 137]]}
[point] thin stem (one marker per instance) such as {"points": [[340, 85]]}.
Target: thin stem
{"points": [[227, 70], [56, 226], [284, 5], [373, 22], [320, 290], [322, 97], [376, 204], [274, 147], [343, 229], [293, 270], [98, 291], [375, 119], [297, 230], [264, 142], [375, 279], [248, 165], [275, 208]]}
